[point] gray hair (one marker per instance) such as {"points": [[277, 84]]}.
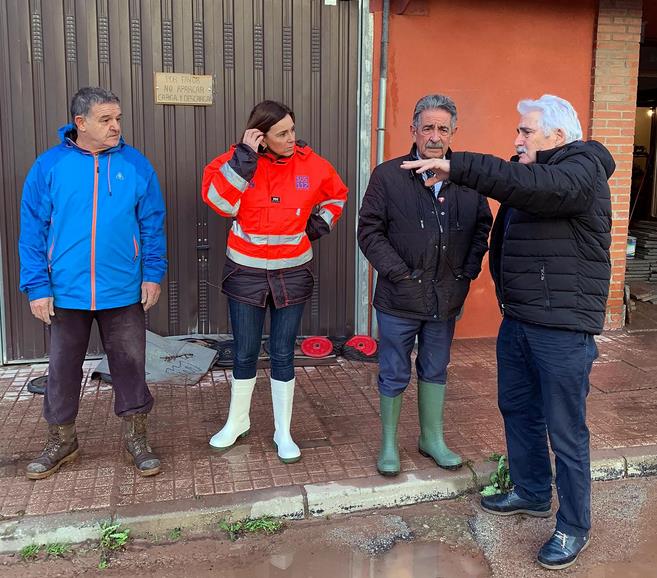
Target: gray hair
{"points": [[433, 102], [555, 113], [89, 96]]}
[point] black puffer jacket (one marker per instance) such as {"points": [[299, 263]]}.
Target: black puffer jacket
{"points": [[550, 242], [426, 251]]}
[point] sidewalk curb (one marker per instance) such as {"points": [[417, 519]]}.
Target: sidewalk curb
{"points": [[641, 461], [408, 488], [607, 464], [154, 519], [294, 502], [207, 511]]}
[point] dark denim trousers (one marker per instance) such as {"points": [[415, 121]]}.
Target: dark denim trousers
{"points": [[396, 341], [247, 322], [543, 381], [123, 334]]}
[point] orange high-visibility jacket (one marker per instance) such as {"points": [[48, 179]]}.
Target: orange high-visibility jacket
{"points": [[271, 200]]}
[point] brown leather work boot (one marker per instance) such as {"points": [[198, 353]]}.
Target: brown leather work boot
{"points": [[61, 447], [136, 445]]}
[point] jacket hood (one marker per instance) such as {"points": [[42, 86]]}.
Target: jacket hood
{"points": [[592, 147], [68, 134], [603, 155]]}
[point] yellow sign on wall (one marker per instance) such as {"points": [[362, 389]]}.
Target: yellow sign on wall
{"points": [[186, 89]]}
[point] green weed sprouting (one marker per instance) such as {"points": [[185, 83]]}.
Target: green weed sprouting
{"points": [[500, 479]]}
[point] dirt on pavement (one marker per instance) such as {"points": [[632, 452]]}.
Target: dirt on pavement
{"points": [[434, 540]]}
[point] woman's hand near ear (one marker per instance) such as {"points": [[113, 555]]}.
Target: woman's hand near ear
{"points": [[252, 138]]}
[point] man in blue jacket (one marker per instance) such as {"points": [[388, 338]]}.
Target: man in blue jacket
{"points": [[92, 246]]}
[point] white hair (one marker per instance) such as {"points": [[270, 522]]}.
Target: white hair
{"points": [[555, 113]]}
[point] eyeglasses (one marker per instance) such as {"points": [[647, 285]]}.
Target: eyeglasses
{"points": [[429, 129]]}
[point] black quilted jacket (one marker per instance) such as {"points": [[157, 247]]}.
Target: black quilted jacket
{"points": [[550, 242], [426, 250]]}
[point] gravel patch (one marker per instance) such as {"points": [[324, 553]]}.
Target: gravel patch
{"points": [[511, 543], [376, 535]]}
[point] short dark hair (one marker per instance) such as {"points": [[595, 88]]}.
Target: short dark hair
{"points": [[434, 102], [266, 114], [89, 96]]}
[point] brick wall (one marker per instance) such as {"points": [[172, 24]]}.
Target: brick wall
{"points": [[615, 72]]}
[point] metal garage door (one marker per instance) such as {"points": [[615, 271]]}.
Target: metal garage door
{"points": [[302, 52]]}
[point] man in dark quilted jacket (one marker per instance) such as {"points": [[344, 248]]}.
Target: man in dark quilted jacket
{"points": [[551, 266]]}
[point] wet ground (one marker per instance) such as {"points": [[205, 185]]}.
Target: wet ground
{"points": [[643, 318], [451, 539], [336, 423]]}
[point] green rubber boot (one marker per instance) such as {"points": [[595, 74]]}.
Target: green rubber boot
{"points": [[388, 462], [431, 401]]}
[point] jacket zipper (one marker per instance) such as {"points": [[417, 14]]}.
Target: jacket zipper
{"points": [[429, 191], [546, 289], [50, 252], [134, 240], [435, 212], [93, 234], [505, 228]]}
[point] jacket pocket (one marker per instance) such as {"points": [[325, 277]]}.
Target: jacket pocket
{"points": [[408, 295], [296, 286], [546, 287], [230, 268], [312, 273], [458, 292], [244, 284]]}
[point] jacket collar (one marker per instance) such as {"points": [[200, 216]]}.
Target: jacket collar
{"points": [[544, 157], [301, 150], [413, 156], [68, 134]]}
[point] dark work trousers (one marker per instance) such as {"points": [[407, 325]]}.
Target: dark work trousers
{"points": [[543, 381], [123, 334], [396, 341], [247, 322]]}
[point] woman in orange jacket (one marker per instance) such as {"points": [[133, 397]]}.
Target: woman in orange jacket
{"points": [[281, 196]]}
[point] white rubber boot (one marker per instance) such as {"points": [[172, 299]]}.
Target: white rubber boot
{"points": [[238, 422], [282, 396]]}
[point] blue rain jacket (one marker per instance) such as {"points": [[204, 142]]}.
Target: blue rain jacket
{"points": [[92, 226]]}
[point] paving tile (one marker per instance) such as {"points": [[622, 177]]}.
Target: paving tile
{"points": [[335, 422], [619, 375]]}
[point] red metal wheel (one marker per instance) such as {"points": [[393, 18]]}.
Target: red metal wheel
{"points": [[363, 343], [317, 347]]}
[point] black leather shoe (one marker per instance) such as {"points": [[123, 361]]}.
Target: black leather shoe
{"points": [[562, 550], [511, 503]]}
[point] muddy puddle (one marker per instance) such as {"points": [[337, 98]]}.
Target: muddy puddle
{"points": [[404, 560]]}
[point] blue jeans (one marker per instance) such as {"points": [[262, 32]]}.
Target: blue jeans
{"points": [[396, 341], [543, 381], [247, 322]]}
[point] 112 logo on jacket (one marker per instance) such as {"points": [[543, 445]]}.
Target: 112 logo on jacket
{"points": [[302, 182]]}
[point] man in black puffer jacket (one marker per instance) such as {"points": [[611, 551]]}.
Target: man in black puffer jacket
{"points": [[427, 244], [551, 266]]}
